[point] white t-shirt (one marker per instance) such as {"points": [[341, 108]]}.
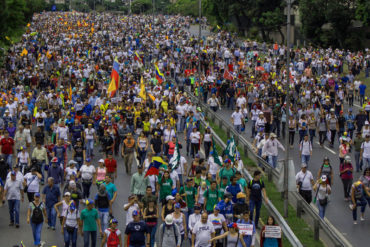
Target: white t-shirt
{"points": [[216, 221], [305, 178], [69, 172], [63, 132], [213, 166], [366, 146], [23, 157], [131, 209], [237, 117], [203, 234], [195, 137], [33, 182], [87, 172], [180, 169], [175, 177], [89, 134]]}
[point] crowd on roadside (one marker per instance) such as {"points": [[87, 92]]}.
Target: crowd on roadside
{"points": [[62, 129]]}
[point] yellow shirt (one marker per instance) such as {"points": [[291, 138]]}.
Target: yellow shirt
{"points": [[146, 126], [164, 105]]}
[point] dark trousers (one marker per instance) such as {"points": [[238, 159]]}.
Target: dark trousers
{"points": [[307, 195], [255, 204], [207, 147], [194, 149], [291, 137], [87, 235], [86, 189], [322, 137], [332, 133], [347, 183]]}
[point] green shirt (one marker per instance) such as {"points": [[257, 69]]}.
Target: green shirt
{"points": [[212, 198], [111, 189], [139, 184], [243, 183], [89, 218], [198, 181], [190, 195], [357, 142], [227, 173], [221, 190], [165, 188]]}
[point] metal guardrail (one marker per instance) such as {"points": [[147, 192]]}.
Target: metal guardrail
{"points": [[330, 235], [287, 231]]}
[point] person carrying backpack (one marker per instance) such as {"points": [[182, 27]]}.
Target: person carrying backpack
{"points": [[112, 235], [71, 223], [36, 214], [169, 233], [358, 199]]}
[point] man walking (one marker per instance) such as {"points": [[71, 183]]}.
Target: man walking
{"points": [[90, 220], [13, 192], [304, 180], [50, 196], [139, 183], [128, 149]]}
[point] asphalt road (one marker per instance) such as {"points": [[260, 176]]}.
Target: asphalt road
{"points": [[337, 211]]}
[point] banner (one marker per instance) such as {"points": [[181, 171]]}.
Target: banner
{"points": [[272, 232]]}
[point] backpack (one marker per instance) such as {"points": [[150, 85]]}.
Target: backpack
{"points": [[174, 230], [113, 239], [37, 216], [358, 192]]}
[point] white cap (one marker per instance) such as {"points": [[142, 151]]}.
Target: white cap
{"points": [[169, 219], [101, 161], [170, 198], [323, 178]]}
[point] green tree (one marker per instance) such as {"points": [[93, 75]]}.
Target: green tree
{"points": [[363, 11], [33, 6], [16, 10], [141, 6]]}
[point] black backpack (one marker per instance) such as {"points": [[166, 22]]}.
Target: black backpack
{"points": [[37, 216]]}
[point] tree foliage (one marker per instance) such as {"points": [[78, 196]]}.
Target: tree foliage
{"points": [[141, 6]]}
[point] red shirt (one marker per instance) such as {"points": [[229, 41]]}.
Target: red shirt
{"points": [[111, 165], [7, 145]]}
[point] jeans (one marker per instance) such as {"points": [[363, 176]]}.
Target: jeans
{"points": [[188, 146], [89, 148], [36, 232], [302, 133], [255, 204], [87, 235], [14, 211], [52, 216], [312, 134], [321, 209], [238, 128], [70, 237], [152, 230], [142, 155], [86, 189], [253, 128], [9, 158], [366, 161], [103, 216], [359, 161], [272, 159], [180, 123], [305, 158], [230, 103], [207, 148], [181, 180], [359, 203]]}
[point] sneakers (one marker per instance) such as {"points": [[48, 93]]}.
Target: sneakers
{"points": [[355, 222], [53, 228], [17, 226], [362, 218], [11, 224]]}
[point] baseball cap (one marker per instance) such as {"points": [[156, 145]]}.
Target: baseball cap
{"points": [[54, 160], [177, 205], [170, 198], [89, 201], [13, 173], [113, 221], [169, 219], [67, 194], [217, 208], [240, 195], [88, 160], [303, 165], [37, 194], [101, 161], [135, 212]]}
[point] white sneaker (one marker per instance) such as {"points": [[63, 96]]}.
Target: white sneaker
{"points": [[362, 218], [355, 222]]}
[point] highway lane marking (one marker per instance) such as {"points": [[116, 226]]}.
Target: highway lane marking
{"points": [[357, 105], [330, 150]]}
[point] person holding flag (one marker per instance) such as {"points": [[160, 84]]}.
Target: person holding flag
{"points": [[114, 83]]}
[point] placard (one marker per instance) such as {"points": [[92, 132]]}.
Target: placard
{"points": [[245, 229], [272, 232]]}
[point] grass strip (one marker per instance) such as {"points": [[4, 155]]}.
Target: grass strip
{"points": [[303, 232]]}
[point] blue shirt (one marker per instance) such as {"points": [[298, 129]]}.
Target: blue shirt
{"points": [[56, 173], [362, 89], [52, 195]]}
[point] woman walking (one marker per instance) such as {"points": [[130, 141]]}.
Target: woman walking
{"points": [[233, 237], [151, 219], [323, 190], [70, 225], [180, 221], [35, 216], [346, 175]]}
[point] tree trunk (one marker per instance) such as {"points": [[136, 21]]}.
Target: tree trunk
{"points": [[282, 35]]}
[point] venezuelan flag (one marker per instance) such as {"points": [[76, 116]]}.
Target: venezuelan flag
{"points": [[153, 169], [142, 93], [114, 83], [138, 58], [158, 75]]}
